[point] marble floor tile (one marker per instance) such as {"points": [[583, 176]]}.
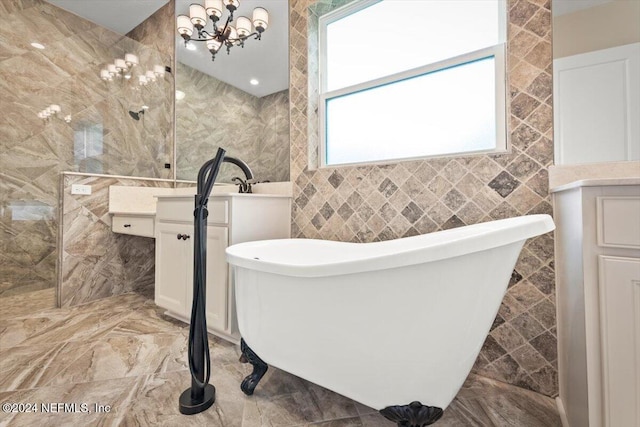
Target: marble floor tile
{"points": [[26, 367], [124, 352], [27, 303]]}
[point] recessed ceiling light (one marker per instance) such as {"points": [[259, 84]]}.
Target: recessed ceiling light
{"points": [[254, 82], [37, 45], [180, 95], [191, 46]]}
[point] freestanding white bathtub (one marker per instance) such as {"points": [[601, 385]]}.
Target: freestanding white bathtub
{"points": [[384, 323]]}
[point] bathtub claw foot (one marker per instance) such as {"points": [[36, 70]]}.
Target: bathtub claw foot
{"points": [[259, 369], [414, 414]]}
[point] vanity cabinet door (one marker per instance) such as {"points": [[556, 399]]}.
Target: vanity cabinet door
{"points": [[174, 259], [619, 284], [217, 241]]}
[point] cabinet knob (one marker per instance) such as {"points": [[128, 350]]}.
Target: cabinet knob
{"points": [[127, 225], [183, 236]]}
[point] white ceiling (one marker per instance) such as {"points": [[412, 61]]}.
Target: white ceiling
{"points": [[266, 60], [120, 16]]}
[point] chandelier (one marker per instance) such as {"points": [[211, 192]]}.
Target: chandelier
{"points": [[226, 35]]}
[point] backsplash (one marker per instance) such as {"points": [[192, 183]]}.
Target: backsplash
{"points": [[94, 261], [381, 202], [214, 114]]}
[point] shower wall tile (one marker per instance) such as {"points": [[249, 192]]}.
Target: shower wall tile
{"points": [[148, 32], [101, 136], [380, 202], [95, 262], [253, 129]]}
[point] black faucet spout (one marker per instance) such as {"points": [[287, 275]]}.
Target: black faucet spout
{"points": [[242, 165], [245, 184]]}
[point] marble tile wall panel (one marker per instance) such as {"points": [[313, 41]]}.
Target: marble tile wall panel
{"points": [[101, 136], [214, 114], [380, 202], [94, 261], [148, 32]]}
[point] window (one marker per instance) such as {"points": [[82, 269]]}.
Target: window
{"points": [[402, 79]]}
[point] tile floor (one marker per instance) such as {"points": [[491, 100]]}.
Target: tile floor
{"points": [[123, 352]]}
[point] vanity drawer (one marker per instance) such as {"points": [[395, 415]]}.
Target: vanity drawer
{"points": [[181, 210], [134, 225], [619, 221]]}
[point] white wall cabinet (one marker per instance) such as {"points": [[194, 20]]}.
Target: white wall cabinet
{"points": [[597, 106], [233, 218], [598, 302]]}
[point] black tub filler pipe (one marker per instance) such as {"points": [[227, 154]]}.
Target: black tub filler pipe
{"points": [[201, 395]]}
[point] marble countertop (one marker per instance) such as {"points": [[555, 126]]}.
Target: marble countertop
{"points": [[141, 201], [561, 175], [596, 182], [223, 194]]}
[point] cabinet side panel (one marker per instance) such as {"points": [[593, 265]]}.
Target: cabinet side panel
{"points": [[572, 363], [260, 219]]}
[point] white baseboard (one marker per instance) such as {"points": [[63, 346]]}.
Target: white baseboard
{"points": [[562, 413]]}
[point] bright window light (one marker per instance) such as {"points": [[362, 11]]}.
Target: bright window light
{"points": [[431, 85], [364, 127]]}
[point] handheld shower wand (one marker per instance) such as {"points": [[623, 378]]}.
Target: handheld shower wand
{"points": [[201, 395]]}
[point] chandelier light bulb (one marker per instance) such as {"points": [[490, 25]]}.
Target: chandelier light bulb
{"points": [[243, 26], [260, 19], [104, 74], [150, 75], [142, 80], [198, 15], [55, 108], [213, 9], [213, 45], [111, 68], [67, 118], [131, 60], [158, 70], [231, 4], [232, 34], [120, 64], [185, 27]]}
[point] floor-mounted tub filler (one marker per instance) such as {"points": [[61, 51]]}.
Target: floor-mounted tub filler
{"points": [[394, 325]]}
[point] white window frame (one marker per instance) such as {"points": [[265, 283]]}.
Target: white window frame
{"points": [[497, 51]]}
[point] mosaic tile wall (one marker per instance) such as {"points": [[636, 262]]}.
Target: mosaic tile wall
{"points": [[100, 138], [369, 203], [95, 262], [253, 129]]}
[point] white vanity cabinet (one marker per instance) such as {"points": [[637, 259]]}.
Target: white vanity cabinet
{"points": [[233, 218], [598, 301]]}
